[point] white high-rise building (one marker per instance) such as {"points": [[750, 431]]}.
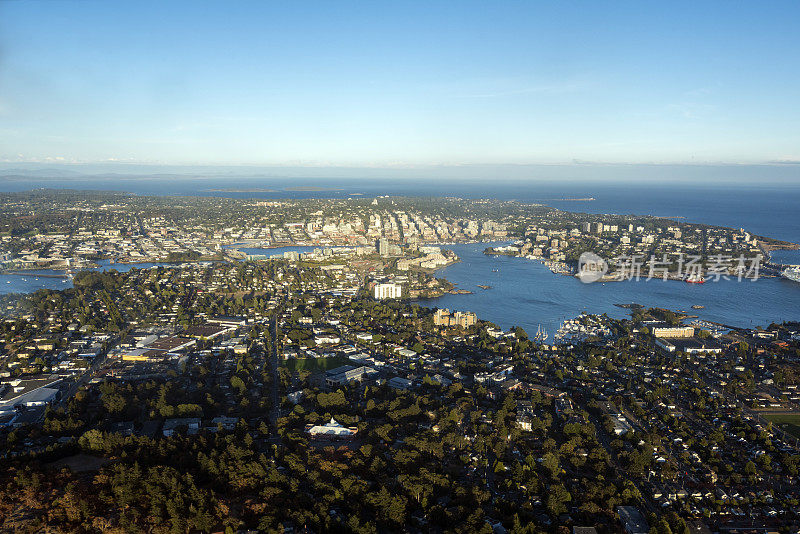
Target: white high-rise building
{"points": [[388, 291]]}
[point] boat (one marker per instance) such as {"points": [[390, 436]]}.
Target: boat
{"points": [[484, 287], [695, 279], [792, 273], [697, 307], [541, 334]]}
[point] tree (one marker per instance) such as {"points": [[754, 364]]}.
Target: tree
{"points": [[238, 384], [750, 469], [551, 463], [557, 496]]}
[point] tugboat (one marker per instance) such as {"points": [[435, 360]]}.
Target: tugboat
{"points": [[695, 279]]}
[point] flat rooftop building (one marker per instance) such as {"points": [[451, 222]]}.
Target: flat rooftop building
{"points": [[331, 430], [28, 393], [690, 345]]}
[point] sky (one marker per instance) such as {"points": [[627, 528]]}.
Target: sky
{"points": [[397, 84]]}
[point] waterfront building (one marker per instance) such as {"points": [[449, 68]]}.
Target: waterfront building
{"points": [[664, 330]]}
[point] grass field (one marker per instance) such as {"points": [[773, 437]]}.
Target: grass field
{"points": [[313, 364], [80, 463], [790, 423]]}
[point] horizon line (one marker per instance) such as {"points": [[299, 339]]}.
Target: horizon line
{"points": [[6, 163]]}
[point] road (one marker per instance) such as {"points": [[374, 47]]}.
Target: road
{"points": [[619, 472], [99, 360], [273, 366]]}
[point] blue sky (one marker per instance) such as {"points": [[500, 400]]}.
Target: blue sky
{"points": [[400, 83]]}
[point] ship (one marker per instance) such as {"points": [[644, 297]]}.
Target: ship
{"points": [[792, 273], [694, 279]]}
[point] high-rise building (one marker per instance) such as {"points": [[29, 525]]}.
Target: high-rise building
{"points": [[388, 291], [464, 319], [442, 317], [383, 247]]}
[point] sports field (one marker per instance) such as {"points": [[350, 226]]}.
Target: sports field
{"points": [[314, 364], [789, 422]]}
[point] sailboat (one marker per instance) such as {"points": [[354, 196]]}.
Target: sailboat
{"points": [[541, 334]]}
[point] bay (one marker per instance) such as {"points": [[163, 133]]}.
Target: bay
{"points": [[30, 281], [525, 293]]}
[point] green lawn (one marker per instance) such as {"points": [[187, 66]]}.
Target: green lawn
{"points": [[788, 422], [314, 364]]}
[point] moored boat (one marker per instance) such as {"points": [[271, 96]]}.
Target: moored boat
{"points": [[792, 273]]}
